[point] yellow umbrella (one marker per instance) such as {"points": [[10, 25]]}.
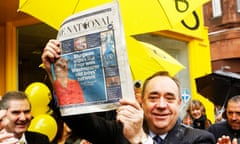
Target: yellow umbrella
{"points": [[177, 10], [138, 16], [146, 59]]}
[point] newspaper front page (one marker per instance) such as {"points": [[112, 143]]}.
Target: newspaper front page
{"points": [[93, 72]]}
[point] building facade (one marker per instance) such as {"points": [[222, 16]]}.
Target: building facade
{"points": [[223, 20]]}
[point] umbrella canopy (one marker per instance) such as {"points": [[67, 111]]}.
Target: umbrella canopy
{"points": [[138, 16], [146, 59], [219, 86]]}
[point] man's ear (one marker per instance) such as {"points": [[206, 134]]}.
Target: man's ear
{"points": [[180, 100]]}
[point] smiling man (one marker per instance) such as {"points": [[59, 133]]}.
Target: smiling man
{"points": [[161, 102], [18, 113], [230, 127]]}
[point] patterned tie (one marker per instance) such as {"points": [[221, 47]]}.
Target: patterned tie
{"points": [[157, 140]]}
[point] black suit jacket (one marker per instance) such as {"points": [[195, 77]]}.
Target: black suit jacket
{"points": [[182, 134], [100, 131], [223, 128], [96, 129], [36, 138]]}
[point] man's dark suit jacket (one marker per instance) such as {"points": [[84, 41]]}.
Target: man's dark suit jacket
{"points": [[223, 128], [182, 134], [36, 138], [100, 131]]}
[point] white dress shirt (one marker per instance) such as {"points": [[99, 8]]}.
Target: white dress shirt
{"points": [[23, 140], [151, 136]]}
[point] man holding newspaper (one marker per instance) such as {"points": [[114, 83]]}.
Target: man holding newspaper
{"points": [[156, 116]]}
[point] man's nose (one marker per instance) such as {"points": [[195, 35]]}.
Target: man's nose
{"points": [[22, 116], [162, 102]]}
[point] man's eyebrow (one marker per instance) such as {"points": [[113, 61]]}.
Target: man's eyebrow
{"points": [[153, 92], [170, 93], [167, 93], [14, 110], [20, 110]]}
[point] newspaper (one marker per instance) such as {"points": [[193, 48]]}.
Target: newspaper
{"points": [[93, 72]]}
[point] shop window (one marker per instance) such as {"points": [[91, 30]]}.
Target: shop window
{"points": [[216, 7], [31, 40]]}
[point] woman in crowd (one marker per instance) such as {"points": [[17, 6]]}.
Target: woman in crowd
{"points": [[197, 114]]}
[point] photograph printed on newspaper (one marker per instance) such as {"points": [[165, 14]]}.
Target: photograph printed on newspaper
{"points": [[93, 72]]}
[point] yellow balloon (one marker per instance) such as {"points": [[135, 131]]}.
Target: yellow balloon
{"points": [[39, 96], [44, 124], [37, 110]]}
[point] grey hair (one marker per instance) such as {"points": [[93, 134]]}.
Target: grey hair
{"points": [[12, 95]]}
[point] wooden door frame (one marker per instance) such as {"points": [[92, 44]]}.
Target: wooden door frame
{"points": [[11, 52]]}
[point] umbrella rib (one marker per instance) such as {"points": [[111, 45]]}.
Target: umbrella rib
{"points": [[22, 5], [75, 6], [228, 94], [164, 12]]}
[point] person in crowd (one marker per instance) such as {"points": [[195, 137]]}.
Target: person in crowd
{"points": [[231, 126], [218, 110], [63, 132], [226, 140], [65, 136], [138, 90], [187, 120], [156, 117], [18, 114], [197, 112]]}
